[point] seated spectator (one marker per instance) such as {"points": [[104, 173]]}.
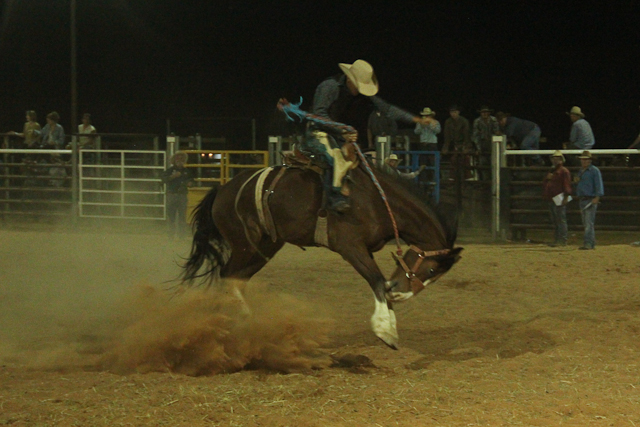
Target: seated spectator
{"points": [[581, 137], [391, 166], [31, 130], [86, 128], [52, 133]]}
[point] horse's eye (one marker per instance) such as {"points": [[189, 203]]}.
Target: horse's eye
{"points": [[431, 271]]}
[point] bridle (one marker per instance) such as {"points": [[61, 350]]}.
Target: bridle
{"points": [[416, 284]]}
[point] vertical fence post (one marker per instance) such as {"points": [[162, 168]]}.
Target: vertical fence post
{"points": [[74, 178], [383, 149], [275, 148], [497, 155]]}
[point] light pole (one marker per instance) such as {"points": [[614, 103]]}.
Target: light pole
{"points": [[74, 71]]}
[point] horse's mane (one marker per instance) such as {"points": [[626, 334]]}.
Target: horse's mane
{"points": [[444, 214]]}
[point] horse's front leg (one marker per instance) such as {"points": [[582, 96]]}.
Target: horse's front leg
{"points": [[383, 321]]}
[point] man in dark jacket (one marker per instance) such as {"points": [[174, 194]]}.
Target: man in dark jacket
{"points": [[177, 179]]}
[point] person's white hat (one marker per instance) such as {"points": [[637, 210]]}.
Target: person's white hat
{"points": [[393, 157], [362, 75], [576, 110]]}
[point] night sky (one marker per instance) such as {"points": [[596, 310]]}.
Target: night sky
{"points": [[143, 61]]}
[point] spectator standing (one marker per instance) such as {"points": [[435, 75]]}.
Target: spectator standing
{"points": [[178, 179], [456, 139], [556, 190], [428, 130], [53, 133], [86, 128], [590, 189], [484, 128], [581, 136], [525, 133], [31, 130], [380, 125], [392, 167], [634, 144]]}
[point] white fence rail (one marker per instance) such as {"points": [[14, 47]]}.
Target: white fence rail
{"points": [[121, 184]]}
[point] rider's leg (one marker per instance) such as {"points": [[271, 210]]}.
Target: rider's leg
{"points": [[322, 148]]}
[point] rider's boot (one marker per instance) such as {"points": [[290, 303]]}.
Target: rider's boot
{"points": [[335, 199]]}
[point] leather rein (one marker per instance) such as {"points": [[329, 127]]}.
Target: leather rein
{"points": [[416, 284]]}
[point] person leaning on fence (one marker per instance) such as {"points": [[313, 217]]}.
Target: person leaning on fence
{"points": [[525, 133], [589, 191], [52, 132], [87, 132], [178, 179], [346, 98], [457, 141], [391, 166], [30, 131], [556, 190]]}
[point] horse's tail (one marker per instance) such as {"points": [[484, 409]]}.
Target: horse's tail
{"points": [[209, 246]]}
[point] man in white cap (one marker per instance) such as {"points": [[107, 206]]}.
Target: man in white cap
{"points": [[581, 136], [556, 190], [392, 167], [346, 98]]}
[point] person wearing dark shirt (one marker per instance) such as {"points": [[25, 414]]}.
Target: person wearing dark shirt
{"points": [[380, 125], [348, 98], [557, 188], [177, 179], [589, 191], [524, 133]]}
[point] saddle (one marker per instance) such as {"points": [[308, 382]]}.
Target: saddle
{"points": [[298, 159]]}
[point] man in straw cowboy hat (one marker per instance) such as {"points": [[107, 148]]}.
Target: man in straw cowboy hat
{"points": [[556, 190], [346, 98], [589, 191], [428, 135], [581, 136], [392, 163], [484, 127]]}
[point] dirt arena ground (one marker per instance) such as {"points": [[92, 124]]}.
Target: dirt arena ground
{"points": [[514, 335]]}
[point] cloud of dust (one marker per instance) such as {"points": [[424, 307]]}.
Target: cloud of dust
{"points": [[198, 332]]}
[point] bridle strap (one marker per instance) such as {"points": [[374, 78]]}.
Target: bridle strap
{"points": [[416, 284]]}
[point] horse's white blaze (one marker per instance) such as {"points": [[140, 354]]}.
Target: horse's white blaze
{"points": [[383, 323]]}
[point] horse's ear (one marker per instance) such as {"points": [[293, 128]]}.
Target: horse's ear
{"points": [[456, 253]]}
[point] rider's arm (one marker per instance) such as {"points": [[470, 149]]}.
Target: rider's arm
{"points": [[326, 94], [394, 112]]}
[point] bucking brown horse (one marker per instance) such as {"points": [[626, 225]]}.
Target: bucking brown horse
{"points": [[239, 226]]}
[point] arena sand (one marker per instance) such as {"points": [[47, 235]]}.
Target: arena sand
{"points": [[513, 335]]}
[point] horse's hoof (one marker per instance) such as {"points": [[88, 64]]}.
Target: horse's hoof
{"points": [[390, 341]]}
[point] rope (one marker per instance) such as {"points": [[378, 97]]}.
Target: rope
{"points": [[288, 108], [383, 195]]}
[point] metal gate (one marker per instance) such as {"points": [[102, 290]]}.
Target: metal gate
{"points": [[121, 184]]}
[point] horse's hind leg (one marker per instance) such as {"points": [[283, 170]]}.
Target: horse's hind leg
{"points": [[242, 265]]}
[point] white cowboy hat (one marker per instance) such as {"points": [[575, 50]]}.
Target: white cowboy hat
{"points": [[585, 155], [362, 75], [558, 153], [393, 157], [576, 110], [428, 112]]}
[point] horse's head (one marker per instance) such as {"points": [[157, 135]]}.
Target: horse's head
{"points": [[418, 268]]}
